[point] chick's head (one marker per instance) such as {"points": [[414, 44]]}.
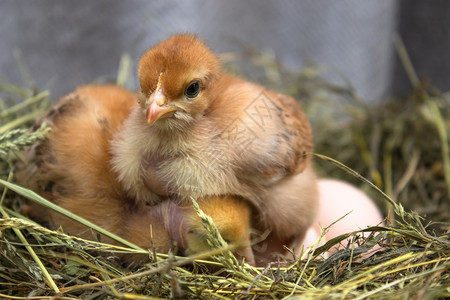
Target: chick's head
{"points": [[175, 78], [231, 216]]}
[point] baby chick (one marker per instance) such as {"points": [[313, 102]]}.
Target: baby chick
{"points": [[200, 132], [73, 161], [72, 168], [231, 216]]}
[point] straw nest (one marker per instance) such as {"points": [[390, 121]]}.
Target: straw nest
{"points": [[397, 150]]}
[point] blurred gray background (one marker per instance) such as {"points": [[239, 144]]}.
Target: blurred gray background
{"points": [[68, 43]]}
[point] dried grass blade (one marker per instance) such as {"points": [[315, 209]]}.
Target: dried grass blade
{"points": [[30, 250], [357, 175], [38, 199], [20, 121], [431, 112], [18, 107], [125, 67], [398, 281]]}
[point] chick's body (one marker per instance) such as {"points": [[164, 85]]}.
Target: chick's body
{"points": [[72, 168], [200, 132]]}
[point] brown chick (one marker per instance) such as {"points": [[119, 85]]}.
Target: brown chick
{"points": [[200, 132], [71, 167]]}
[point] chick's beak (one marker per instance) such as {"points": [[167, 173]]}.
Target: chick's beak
{"points": [[158, 110]]}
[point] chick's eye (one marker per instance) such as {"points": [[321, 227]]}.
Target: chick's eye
{"points": [[192, 89]]}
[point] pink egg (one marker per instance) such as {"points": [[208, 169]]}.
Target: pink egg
{"points": [[338, 198]]}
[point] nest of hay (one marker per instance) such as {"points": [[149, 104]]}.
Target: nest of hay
{"points": [[397, 150]]}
